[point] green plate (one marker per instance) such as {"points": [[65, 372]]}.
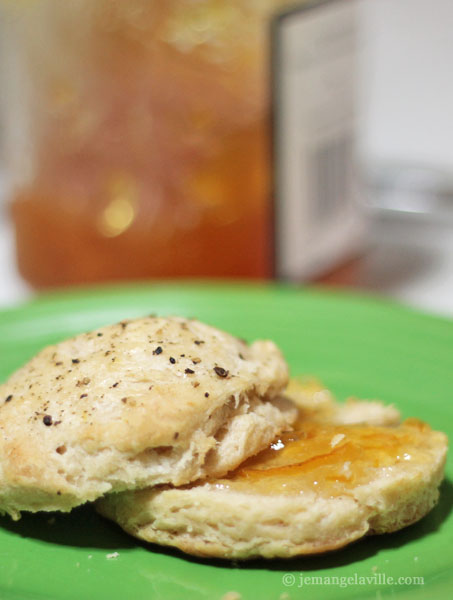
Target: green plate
{"points": [[357, 345]]}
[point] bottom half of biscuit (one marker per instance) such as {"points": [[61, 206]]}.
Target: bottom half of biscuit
{"points": [[343, 472]]}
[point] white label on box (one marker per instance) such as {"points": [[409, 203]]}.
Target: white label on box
{"points": [[314, 68]]}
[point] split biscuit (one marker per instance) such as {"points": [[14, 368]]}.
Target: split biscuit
{"points": [[139, 403], [316, 489]]}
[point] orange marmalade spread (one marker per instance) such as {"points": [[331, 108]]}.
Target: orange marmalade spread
{"points": [[329, 459]]}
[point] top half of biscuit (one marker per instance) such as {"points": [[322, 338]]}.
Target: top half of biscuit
{"points": [[154, 400]]}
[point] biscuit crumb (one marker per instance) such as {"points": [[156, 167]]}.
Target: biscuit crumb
{"points": [[231, 596], [112, 555]]}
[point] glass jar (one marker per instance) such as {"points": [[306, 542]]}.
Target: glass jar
{"points": [[139, 142]]}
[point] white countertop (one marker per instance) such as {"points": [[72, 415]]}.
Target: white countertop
{"points": [[13, 289]]}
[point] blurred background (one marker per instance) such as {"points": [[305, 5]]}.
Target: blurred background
{"points": [[239, 140]]}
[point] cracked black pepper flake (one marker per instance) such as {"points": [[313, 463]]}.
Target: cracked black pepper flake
{"points": [[172, 360], [57, 423], [176, 435], [47, 420], [221, 372], [189, 371], [182, 355], [84, 396], [9, 398], [99, 334], [115, 384], [198, 342], [124, 400], [241, 356], [59, 363], [206, 394], [196, 361], [158, 350], [75, 361]]}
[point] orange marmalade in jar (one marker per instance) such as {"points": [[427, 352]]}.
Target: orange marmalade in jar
{"points": [[142, 148]]}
